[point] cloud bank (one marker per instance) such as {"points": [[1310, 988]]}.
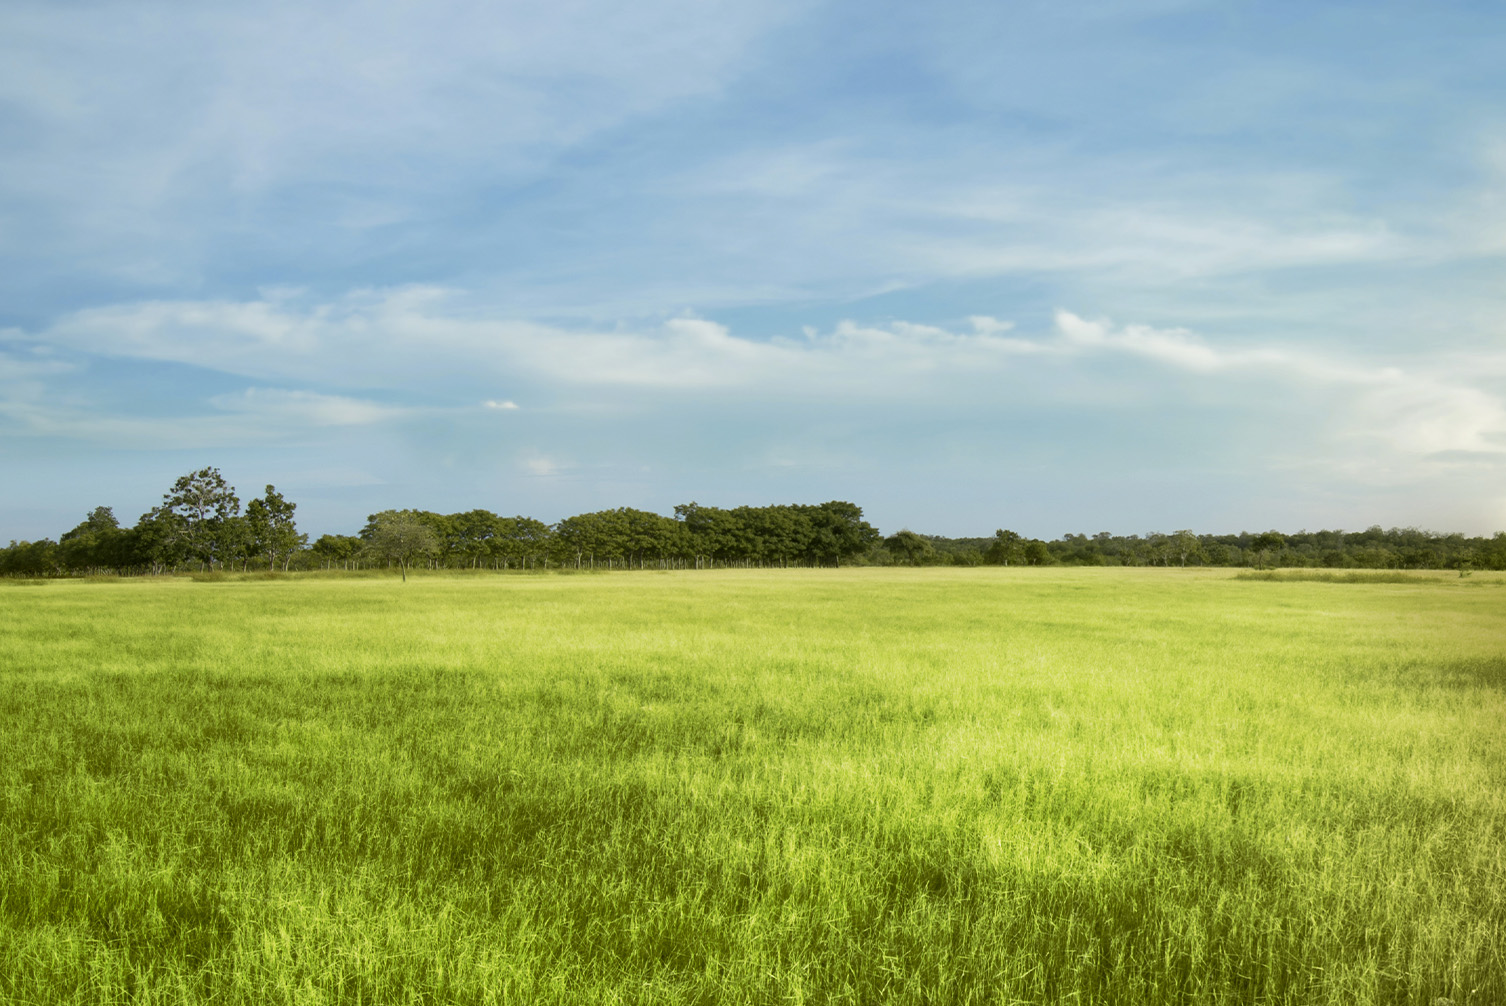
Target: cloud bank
{"points": [[413, 344]]}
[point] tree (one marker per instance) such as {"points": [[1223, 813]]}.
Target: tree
{"points": [[159, 543], [838, 532], [474, 532], [1006, 547], [333, 548], [524, 539], [1264, 543], [202, 503], [783, 533], [272, 533], [400, 536], [101, 520], [94, 544], [578, 538], [231, 541], [32, 558], [1185, 544], [908, 546]]}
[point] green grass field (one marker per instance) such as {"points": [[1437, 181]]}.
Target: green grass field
{"points": [[854, 786]]}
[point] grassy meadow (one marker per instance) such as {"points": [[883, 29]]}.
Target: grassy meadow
{"points": [[795, 786]]}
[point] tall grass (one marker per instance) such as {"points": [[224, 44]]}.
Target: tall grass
{"points": [[859, 786], [1356, 576]]}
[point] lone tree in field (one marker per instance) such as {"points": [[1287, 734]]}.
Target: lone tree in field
{"points": [[401, 537]]}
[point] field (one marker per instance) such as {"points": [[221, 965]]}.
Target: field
{"points": [[797, 786]]}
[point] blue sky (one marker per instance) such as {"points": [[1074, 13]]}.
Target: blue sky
{"points": [[1122, 265]]}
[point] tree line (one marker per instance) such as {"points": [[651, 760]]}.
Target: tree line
{"points": [[201, 525], [1373, 548]]}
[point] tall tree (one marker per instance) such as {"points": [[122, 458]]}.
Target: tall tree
{"points": [[272, 531], [203, 503]]}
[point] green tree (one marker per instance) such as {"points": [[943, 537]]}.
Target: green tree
{"points": [[202, 503], [520, 540], [1264, 544], [336, 548], [838, 532], [94, 544], [232, 541], [1006, 547], [400, 536], [271, 530], [474, 532], [32, 558], [159, 542], [1036, 553], [1185, 545], [101, 520], [907, 546]]}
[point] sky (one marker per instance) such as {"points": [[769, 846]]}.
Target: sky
{"points": [[1111, 265]]}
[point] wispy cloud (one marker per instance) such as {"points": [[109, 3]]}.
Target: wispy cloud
{"points": [[417, 339], [252, 416], [542, 466], [405, 337], [1417, 410], [304, 408]]}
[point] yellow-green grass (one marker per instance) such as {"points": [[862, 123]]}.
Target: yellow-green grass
{"points": [[864, 786]]}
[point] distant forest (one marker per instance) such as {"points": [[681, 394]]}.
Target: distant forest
{"points": [[202, 526]]}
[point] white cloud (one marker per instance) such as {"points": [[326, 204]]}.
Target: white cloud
{"points": [[1413, 411], [88, 425], [413, 337], [832, 212], [422, 340], [541, 466], [984, 325], [15, 367], [252, 416], [304, 408], [1425, 416], [1008, 233]]}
